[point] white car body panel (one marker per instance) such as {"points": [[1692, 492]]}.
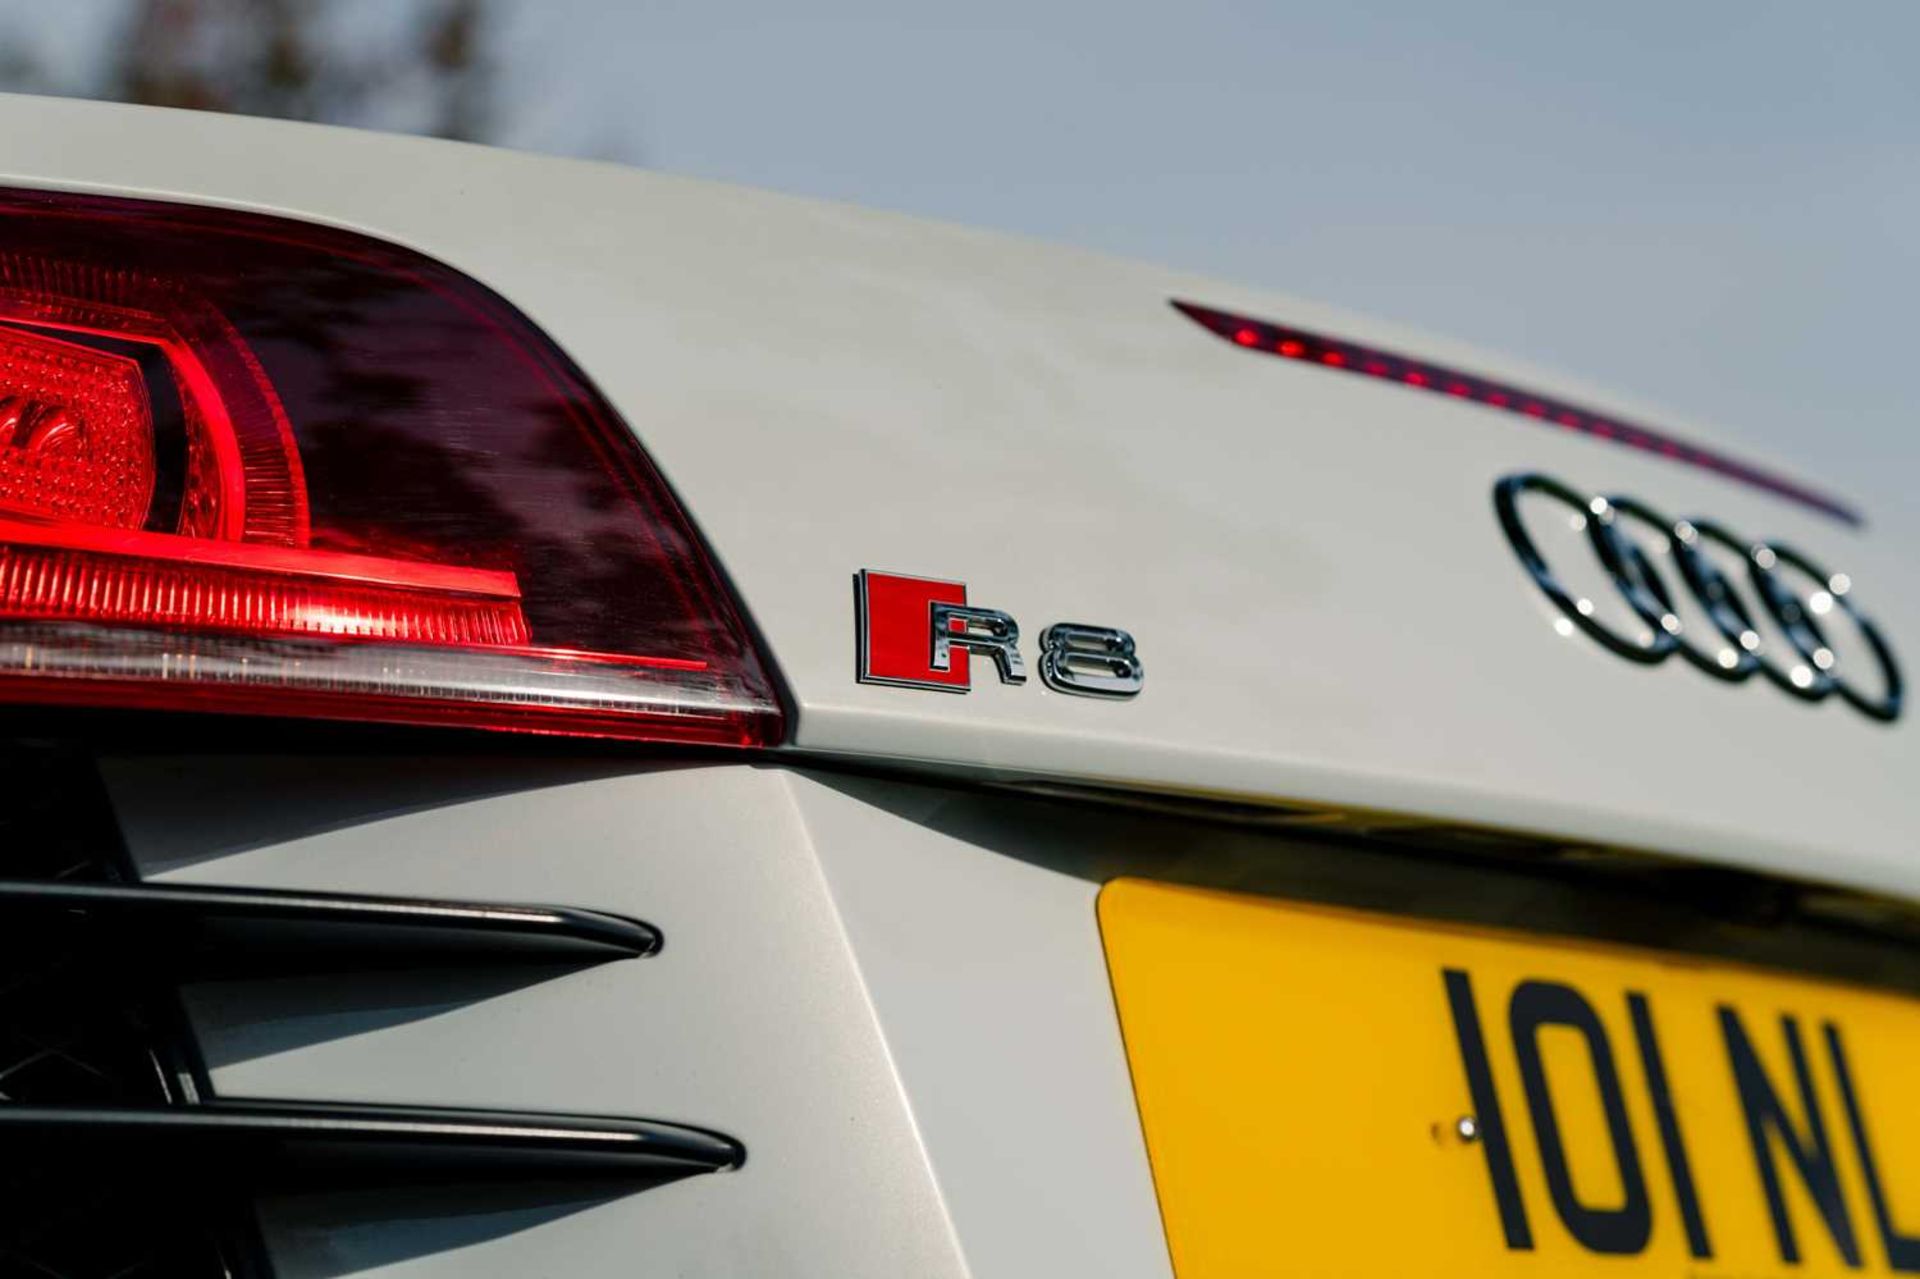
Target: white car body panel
{"points": [[753, 1012], [1326, 609], [919, 1039]]}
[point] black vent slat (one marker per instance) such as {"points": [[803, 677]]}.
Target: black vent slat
{"points": [[255, 1141], [202, 930]]}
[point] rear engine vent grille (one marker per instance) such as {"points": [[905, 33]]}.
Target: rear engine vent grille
{"points": [[121, 1163], [71, 1035]]}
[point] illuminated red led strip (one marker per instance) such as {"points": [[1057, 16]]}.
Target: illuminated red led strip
{"points": [[129, 577], [1545, 410]]}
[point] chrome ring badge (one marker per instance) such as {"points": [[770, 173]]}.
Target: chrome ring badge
{"points": [[1729, 647]]}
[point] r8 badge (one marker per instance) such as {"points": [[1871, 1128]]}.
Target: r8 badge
{"points": [[920, 632]]}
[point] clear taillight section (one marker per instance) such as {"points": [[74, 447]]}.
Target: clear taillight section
{"points": [[252, 465]]}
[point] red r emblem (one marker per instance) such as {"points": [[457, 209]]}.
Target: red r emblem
{"points": [[918, 632]]}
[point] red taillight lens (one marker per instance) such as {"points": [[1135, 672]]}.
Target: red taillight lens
{"points": [[248, 464], [76, 440]]}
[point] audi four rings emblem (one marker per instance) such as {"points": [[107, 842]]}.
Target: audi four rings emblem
{"points": [[1728, 645]]}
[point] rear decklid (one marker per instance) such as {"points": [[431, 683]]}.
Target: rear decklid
{"points": [[1310, 563]]}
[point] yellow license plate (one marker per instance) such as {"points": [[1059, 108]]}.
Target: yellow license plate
{"points": [[1331, 1093]]}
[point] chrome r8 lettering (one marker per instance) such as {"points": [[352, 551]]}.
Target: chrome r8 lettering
{"points": [[1090, 661], [920, 632]]}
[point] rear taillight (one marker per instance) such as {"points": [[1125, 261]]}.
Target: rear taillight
{"points": [[252, 465]]}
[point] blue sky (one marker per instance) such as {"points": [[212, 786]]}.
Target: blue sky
{"points": [[1711, 204]]}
